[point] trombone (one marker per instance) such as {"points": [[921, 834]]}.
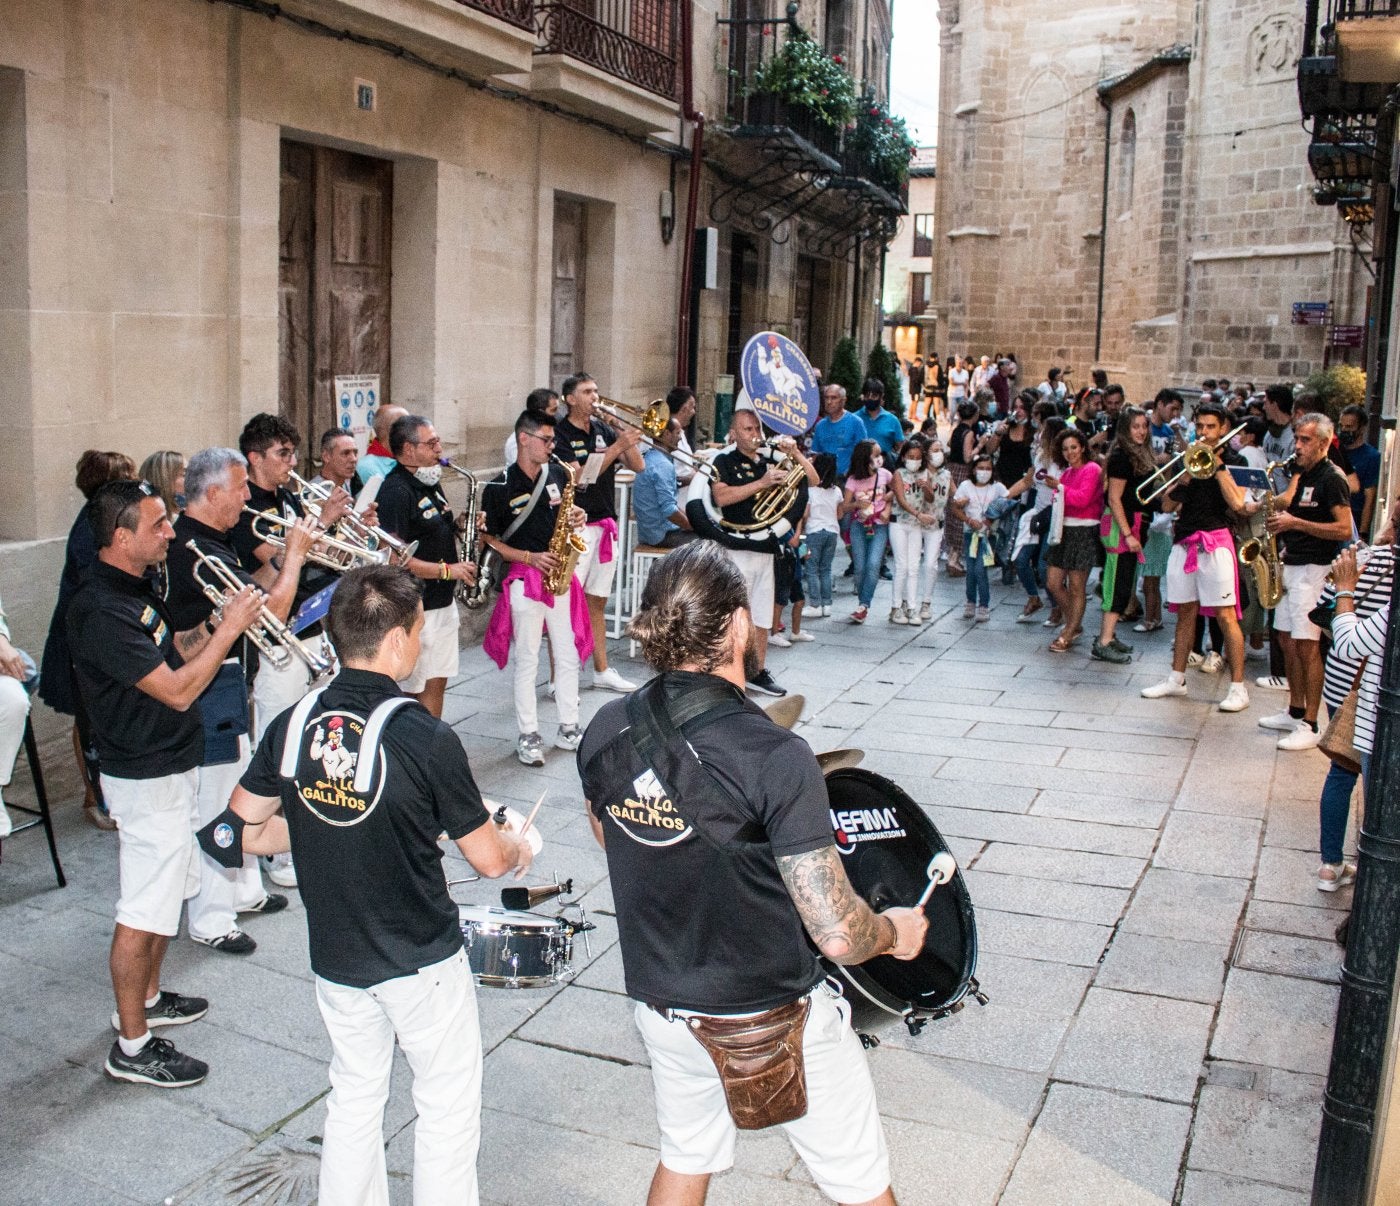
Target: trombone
{"points": [[269, 635], [352, 527], [1199, 461], [338, 555], [652, 423]]}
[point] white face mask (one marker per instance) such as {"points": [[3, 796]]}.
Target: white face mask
{"points": [[912, 465], [983, 476], [936, 459], [429, 475]]}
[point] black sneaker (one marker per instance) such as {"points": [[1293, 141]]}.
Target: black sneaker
{"points": [[273, 902], [171, 1010], [763, 682], [157, 1063], [235, 942]]}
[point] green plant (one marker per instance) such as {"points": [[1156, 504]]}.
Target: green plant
{"points": [[845, 370], [804, 74], [1336, 387], [881, 143], [881, 363]]}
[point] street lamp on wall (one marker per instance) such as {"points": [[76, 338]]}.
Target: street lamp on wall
{"points": [[667, 214]]}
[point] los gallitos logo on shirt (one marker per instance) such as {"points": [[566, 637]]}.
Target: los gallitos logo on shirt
{"points": [[649, 816], [325, 780]]}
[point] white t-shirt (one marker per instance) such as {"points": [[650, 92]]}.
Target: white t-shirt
{"points": [[976, 499], [957, 385], [821, 509]]}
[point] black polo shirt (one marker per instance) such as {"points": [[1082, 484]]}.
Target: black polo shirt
{"points": [[189, 606], [1319, 490], [701, 926], [412, 511], [313, 578], [1203, 505], [574, 445], [369, 867], [119, 631], [733, 468], [504, 499]]}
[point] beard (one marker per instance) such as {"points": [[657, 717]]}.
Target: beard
{"points": [[751, 663]]}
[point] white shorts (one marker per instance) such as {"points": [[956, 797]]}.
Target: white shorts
{"points": [[157, 856], [439, 652], [1213, 583], [840, 1138], [596, 576], [757, 569], [1303, 585]]}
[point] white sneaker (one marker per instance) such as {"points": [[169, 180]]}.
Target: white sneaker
{"points": [[969, 610], [925, 613], [1194, 660], [780, 639], [1331, 876], [1236, 699], [1304, 737], [6, 824], [1271, 682], [1257, 655], [1168, 686], [568, 737], [898, 616], [803, 636], [611, 680], [1280, 721], [530, 749], [1213, 663], [280, 870]]}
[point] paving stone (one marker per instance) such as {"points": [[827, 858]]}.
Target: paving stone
{"points": [[1175, 749], [1210, 845], [1137, 1043], [31, 1177], [1094, 1147], [1065, 866], [1033, 984], [1180, 904], [992, 797], [1246, 1135], [955, 1095], [1047, 897], [1290, 955], [966, 706], [1277, 1021], [1292, 919], [1132, 726], [985, 771], [1292, 824], [1049, 938], [1110, 810], [1165, 967], [1043, 831], [950, 744], [1290, 877], [1214, 1189], [1003, 1036], [589, 1022]]}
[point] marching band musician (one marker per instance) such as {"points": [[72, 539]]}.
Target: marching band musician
{"points": [[412, 507], [708, 812], [139, 680], [340, 460], [576, 438], [741, 473], [216, 487], [368, 780], [521, 513]]}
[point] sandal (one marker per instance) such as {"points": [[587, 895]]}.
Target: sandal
{"points": [[1061, 645], [1148, 626]]}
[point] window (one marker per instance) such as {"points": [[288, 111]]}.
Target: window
{"points": [[1127, 161], [923, 236], [920, 292]]}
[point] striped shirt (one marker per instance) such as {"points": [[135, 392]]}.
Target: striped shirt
{"points": [[1360, 635]]}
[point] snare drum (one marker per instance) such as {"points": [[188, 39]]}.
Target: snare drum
{"points": [[886, 841], [509, 949]]}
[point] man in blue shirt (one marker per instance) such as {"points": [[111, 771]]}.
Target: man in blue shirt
{"points": [[881, 425], [839, 432], [661, 520], [1365, 463]]}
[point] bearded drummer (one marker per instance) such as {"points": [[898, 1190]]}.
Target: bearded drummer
{"points": [[368, 779], [716, 825]]}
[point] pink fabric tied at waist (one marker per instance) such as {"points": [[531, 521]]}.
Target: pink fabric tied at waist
{"points": [[500, 630], [1194, 544], [608, 533]]}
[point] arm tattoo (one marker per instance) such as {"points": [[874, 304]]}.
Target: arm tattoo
{"points": [[190, 642], [843, 926]]}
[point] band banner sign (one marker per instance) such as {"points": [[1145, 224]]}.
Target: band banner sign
{"points": [[780, 383], [356, 400]]}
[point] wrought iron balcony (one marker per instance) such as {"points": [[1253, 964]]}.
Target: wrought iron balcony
{"points": [[1350, 10], [633, 40], [520, 13]]}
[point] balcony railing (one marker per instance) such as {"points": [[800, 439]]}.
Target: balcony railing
{"points": [[1347, 10], [520, 13], [634, 40]]}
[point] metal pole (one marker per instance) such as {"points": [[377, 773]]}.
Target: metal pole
{"points": [[1368, 972]]}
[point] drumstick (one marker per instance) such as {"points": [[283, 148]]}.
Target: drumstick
{"points": [[530, 820], [940, 871]]}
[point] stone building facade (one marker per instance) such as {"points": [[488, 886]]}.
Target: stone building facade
{"points": [[210, 209], [1125, 186], [910, 326]]}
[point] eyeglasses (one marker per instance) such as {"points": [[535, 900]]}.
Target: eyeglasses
{"points": [[535, 435], [282, 454], [435, 442]]}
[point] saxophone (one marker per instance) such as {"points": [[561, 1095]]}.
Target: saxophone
{"points": [[1260, 553], [565, 544], [470, 548]]}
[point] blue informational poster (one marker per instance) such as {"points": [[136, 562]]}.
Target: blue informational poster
{"points": [[781, 384], [314, 609]]}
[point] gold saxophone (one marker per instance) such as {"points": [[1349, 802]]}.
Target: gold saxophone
{"points": [[1260, 554], [565, 544]]}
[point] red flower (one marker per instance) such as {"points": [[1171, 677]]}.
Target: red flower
{"points": [[836, 58], [825, 92], [874, 112]]}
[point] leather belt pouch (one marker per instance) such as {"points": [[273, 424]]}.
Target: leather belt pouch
{"points": [[759, 1060]]}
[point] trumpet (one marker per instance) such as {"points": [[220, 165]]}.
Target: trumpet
{"points": [[652, 423], [269, 635], [352, 527], [1200, 461], [338, 555]]}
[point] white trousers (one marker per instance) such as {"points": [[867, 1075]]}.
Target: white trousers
{"points": [[528, 621], [213, 910], [14, 709], [433, 1016], [274, 691], [916, 551]]}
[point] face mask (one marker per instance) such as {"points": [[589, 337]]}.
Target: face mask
{"points": [[1351, 438], [936, 458], [912, 465], [1235, 443], [429, 475], [180, 502], [983, 476]]}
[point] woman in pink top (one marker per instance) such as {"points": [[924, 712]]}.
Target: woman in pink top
{"points": [[1081, 488]]}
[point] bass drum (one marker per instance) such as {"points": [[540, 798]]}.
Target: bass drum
{"points": [[705, 518], [886, 842]]}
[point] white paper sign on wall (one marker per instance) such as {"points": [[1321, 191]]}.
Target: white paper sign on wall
{"points": [[356, 401]]}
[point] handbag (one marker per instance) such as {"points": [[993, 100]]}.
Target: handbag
{"points": [[759, 1061], [1338, 740]]}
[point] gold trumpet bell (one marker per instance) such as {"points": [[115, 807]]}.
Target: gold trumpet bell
{"points": [[651, 421], [1200, 461]]}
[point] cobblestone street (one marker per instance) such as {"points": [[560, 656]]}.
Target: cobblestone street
{"points": [[1160, 967]]}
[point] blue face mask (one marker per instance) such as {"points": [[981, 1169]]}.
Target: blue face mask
{"points": [[180, 502]]}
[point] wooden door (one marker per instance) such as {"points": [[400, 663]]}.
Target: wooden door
{"points": [[567, 293], [335, 279]]}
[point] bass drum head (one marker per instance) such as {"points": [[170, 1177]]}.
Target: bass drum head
{"points": [[886, 841]]}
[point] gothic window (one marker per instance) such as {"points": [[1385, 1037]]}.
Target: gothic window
{"points": [[1127, 161], [923, 236]]}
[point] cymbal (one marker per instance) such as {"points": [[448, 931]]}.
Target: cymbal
{"points": [[786, 711], [833, 760]]}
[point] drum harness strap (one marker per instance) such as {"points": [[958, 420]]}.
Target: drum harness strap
{"points": [[367, 757]]}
